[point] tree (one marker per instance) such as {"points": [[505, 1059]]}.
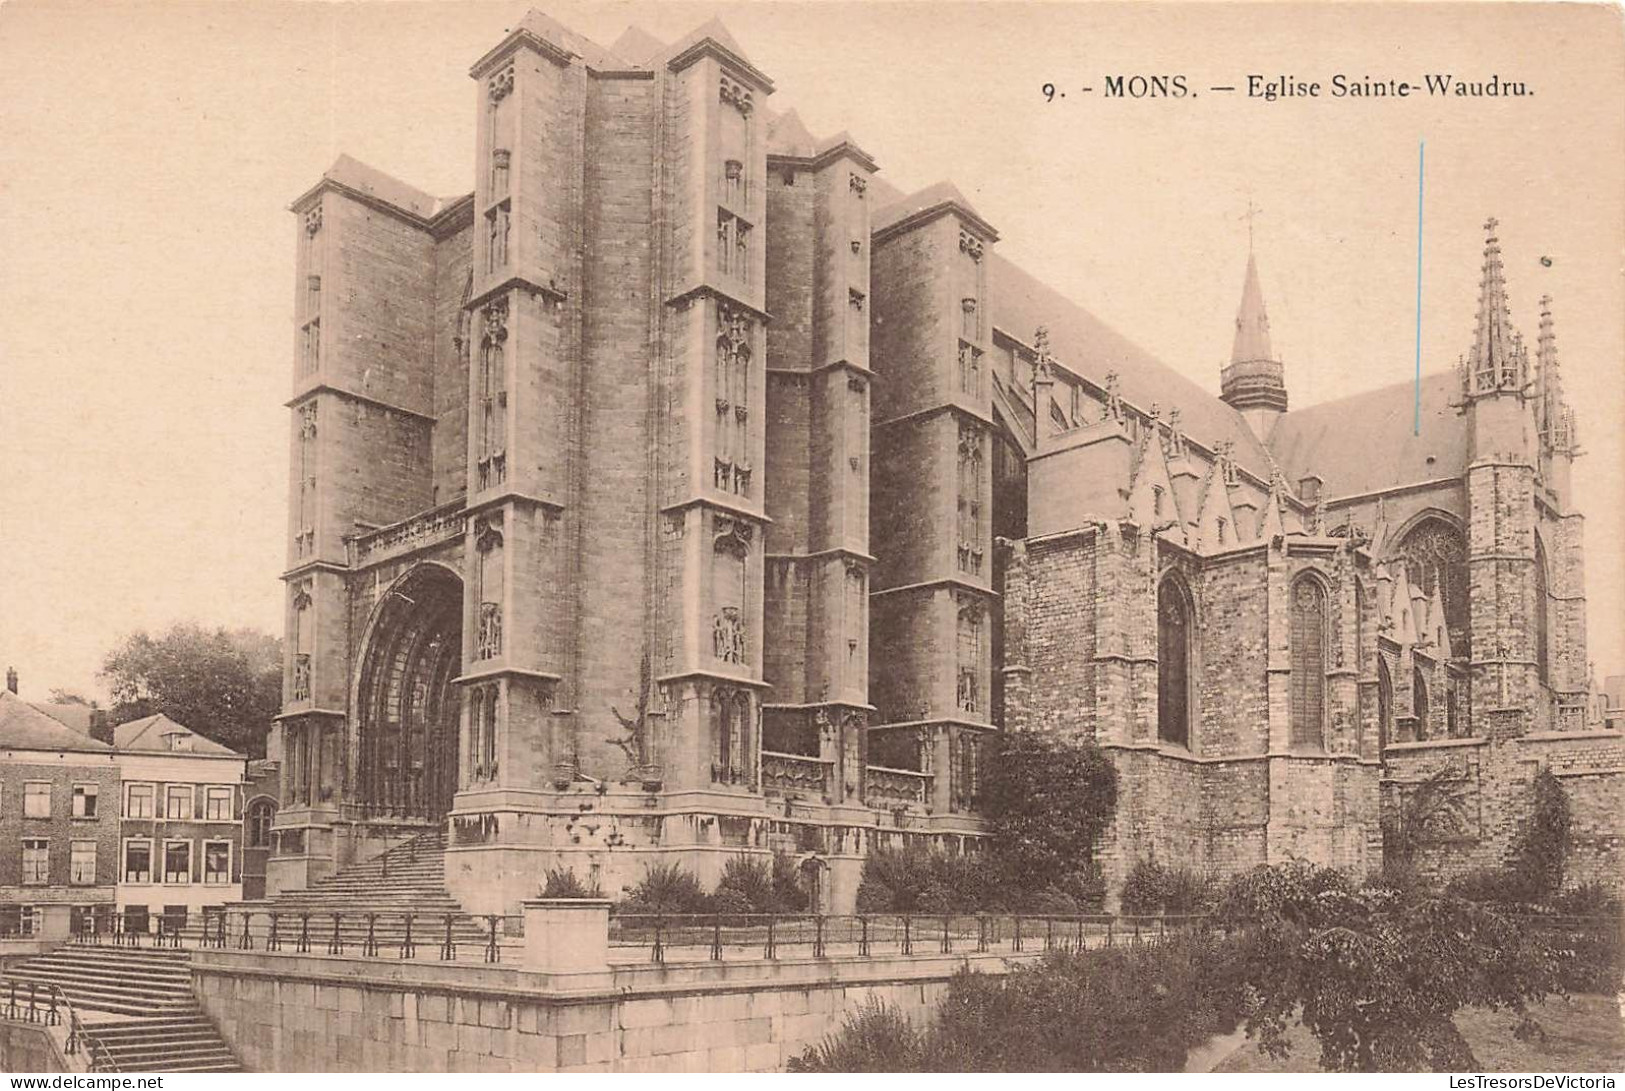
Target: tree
{"points": [[224, 684], [1046, 801], [69, 697], [1377, 976]]}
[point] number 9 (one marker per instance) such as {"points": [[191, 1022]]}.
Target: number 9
{"points": [[1049, 92]]}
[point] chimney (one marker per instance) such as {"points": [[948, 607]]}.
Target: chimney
{"points": [[11, 679], [100, 729]]}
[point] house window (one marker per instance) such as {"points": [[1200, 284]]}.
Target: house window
{"points": [[36, 862], [84, 801], [1173, 662], [177, 861], [178, 801], [138, 799], [82, 863], [216, 862], [217, 804], [138, 861], [1308, 704], [36, 799], [261, 813]]}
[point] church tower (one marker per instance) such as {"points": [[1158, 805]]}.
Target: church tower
{"points": [[1254, 383]]}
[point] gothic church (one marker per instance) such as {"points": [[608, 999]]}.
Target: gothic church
{"points": [[685, 491]]}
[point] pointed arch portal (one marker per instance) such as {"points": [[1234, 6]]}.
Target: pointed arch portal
{"points": [[408, 710]]}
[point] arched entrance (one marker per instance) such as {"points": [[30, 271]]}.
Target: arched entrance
{"points": [[408, 711]]}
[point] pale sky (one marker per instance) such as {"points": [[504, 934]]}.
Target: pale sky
{"points": [[148, 153]]}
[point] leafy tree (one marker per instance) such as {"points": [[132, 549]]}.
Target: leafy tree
{"points": [[69, 697], [1046, 801], [224, 684], [1375, 975]]}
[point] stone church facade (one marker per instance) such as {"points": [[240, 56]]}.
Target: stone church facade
{"points": [[685, 491]]}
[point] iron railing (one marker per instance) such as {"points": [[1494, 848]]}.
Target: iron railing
{"points": [[45, 1004]]}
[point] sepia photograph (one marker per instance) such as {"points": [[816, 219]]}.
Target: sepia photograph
{"points": [[622, 536]]}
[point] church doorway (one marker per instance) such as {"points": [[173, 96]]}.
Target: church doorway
{"points": [[408, 709]]}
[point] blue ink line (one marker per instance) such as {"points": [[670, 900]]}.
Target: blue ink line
{"points": [[1421, 173]]}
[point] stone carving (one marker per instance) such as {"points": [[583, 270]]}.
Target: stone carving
{"points": [[970, 245], [735, 94], [500, 85]]}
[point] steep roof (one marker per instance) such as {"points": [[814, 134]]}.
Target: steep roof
{"points": [[787, 134], [1365, 442], [146, 735], [552, 31], [72, 715], [375, 183], [24, 727], [638, 46], [939, 196]]}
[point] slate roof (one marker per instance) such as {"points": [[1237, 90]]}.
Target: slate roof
{"points": [[24, 727], [72, 715], [1365, 442], [146, 735]]}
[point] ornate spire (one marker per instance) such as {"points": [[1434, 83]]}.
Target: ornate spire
{"points": [[1254, 379], [1497, 360], [1549, 410]]}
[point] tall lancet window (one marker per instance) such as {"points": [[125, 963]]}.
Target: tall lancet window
{"points": [[488, 586], [1419, 703], [1543, 608], [305, 534], [969, 551], [1385, 703], [729, 554], [1173, 662], [1308, 705], [491, 449], [856, 627]]}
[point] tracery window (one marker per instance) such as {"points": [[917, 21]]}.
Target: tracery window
{"points": [[1436, 558], [1173, 662], [1308, 703], [731, 751], [482, 734], [1419, 702]]}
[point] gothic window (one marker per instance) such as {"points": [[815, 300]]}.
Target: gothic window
{"points": [[1385, 703], [1543, 606], [261, 813], [970, 499], [491, 448], [731, 459], [1173, 662], [1308, 705], [967, 761], [304, 635], [488, 577], [305, 535], [1419, 702], [1436, 558], [482, 735], [728, 558], [498, 226], [968, 696]]}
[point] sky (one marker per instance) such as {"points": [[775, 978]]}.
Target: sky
{"points": [[148, 153]]}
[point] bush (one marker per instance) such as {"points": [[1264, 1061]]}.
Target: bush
{"points": [[1152, 888], [1046, 801], [1124, 1009], [875, 1038], [916, 881], [1543, 850], [563, 883], [750, 885], [1588, 900], [666, 888]]}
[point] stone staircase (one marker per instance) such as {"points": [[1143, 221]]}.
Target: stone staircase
{"points": [[166, 1030], [409, 879]]}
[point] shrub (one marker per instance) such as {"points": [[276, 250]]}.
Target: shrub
{"points": [[750, 885], [1046, 801], [1544, 847], [1375, 977], [875, 1038], [563, 883], [788, 894], [1588, 900], [1152, 888], [666, 888]]}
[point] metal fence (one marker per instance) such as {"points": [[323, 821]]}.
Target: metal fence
{"points": [[719, 937]]}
